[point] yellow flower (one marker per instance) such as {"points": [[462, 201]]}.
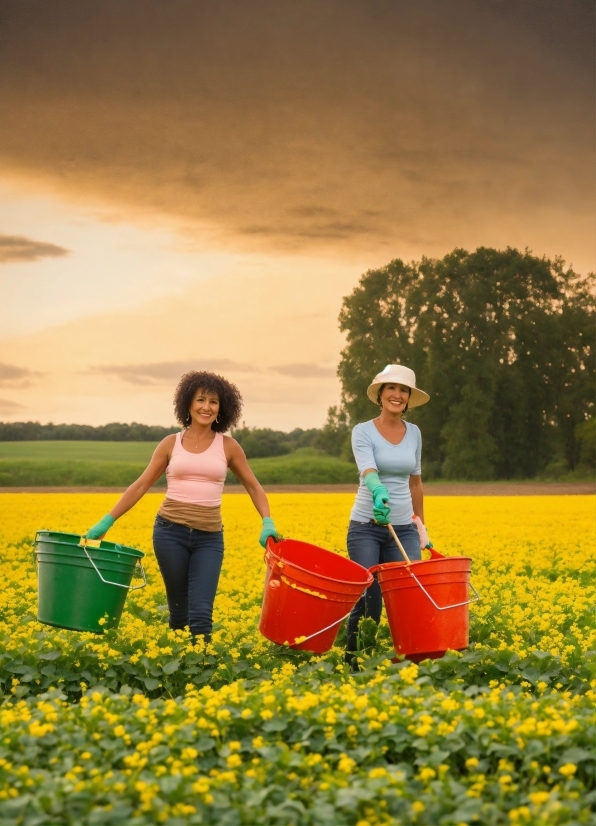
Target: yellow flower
{"points": [[345, 764], [233, 761], [538, 798]]}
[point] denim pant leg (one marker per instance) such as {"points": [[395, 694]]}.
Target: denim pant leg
{"points": [[370, 545], [410, 539], [171, 543], [364, 547], [205, 566]]}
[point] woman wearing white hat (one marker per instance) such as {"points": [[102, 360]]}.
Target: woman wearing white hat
{"points": [[387, 450]]}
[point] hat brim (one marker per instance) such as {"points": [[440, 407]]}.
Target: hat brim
{"points": [[417, 397]]}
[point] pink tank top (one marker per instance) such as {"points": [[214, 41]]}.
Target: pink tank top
{"points": [[197, 478]]}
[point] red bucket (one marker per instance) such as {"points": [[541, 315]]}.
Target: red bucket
{"points": [[308, 593], [427, 604]]}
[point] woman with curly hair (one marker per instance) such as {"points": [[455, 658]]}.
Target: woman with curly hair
{"points": [[188, 533]]}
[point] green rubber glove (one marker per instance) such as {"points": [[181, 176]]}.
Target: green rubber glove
{"points": [[267, 530], [103, 526], [380, 495]]}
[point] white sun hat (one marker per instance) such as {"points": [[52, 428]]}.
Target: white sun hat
{"points": [[398, 374]]}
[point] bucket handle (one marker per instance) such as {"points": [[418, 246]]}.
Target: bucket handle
{"points": [[337, 622], [107, 581], [83, 545], [412, 574], [445, 607]]}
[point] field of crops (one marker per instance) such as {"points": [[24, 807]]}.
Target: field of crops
{"points": [[117, 464], [140, 727]]}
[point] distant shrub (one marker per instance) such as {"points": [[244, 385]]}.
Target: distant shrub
{"points": [[113, 432]]}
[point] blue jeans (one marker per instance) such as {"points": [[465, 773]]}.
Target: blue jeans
{"points": [[368, 545], [190, 562]]}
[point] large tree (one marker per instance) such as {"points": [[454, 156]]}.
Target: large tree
{"points": [[502, 340]]}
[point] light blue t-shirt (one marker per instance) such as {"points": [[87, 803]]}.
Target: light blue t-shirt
{"points": [[394, 464]]}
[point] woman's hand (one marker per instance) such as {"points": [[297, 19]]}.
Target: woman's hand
{"points": [[103, 526], [380, 496], [422, 533], [381, 509], [267, 530]]}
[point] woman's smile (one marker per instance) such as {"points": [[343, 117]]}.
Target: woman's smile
{"points": [[204, 407], [395, 397]]}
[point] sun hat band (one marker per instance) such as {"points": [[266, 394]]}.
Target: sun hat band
{"points": [[398, 374]]}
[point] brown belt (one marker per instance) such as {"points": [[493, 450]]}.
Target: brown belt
{"points": [[200, 517]]}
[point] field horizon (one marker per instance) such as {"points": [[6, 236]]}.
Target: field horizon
{"points": [[89, 464]]}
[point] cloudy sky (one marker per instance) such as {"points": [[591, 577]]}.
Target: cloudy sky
{"points": [[198, 184]]}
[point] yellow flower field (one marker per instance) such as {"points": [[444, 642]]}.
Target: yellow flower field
{"points": [[138, 726]]}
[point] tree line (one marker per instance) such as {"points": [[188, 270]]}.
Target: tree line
{"points": [[502, 340], [114, 432], [257, 442], [504, 343]]}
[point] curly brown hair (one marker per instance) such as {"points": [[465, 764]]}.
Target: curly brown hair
{"points": [[230, 400]]}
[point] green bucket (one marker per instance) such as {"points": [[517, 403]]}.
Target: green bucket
{"points": [[81, 582]]}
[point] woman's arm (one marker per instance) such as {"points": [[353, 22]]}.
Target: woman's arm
{"points": [[241, 470], [157, 465], [363, 450], [417, 492]]}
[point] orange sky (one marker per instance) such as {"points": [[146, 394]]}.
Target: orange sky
{"points": [[199, 184]]}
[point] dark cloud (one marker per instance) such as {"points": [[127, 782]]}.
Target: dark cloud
{"points": [[8, 407], [13, 376], [17, 248], [311, 126], [305, 371], [167, 371]]}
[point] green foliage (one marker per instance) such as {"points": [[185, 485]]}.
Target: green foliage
{"points": [[585, 433], [262, 442], [118, 464], [114, 432], [39, 473], [302, 749], [335, 436], [470, 449], [302, 770], [305, 466], [81, 451], [502, 341]]}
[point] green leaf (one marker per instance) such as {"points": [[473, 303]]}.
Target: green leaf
{"points": [[275, 725], [170, 783], [576, 755], [204, 744], [172, 666]]}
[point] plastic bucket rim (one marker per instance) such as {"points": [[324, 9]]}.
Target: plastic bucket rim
{"points": [[364, 584], [125, 549], [403, 567], [402, 564], [58, 548]]}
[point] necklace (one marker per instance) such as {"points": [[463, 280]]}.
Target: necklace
{"points": [[196, 444]]}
